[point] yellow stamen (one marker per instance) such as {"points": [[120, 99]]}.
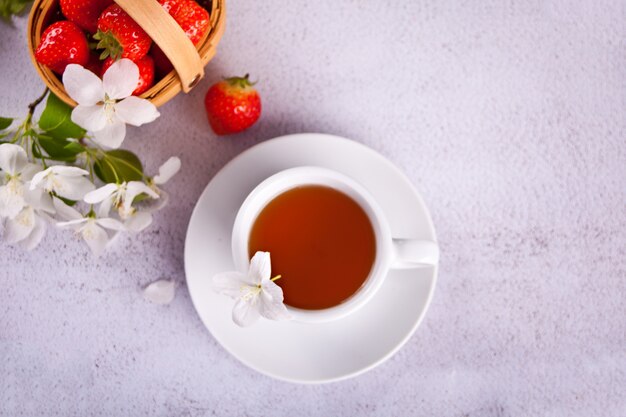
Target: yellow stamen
{"points": [[250, 292]]}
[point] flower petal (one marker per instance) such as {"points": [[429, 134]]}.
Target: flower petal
{"points": [[160, 292], [105, 208], [29, 171], [74, 222], [67, 171], [38, 178], [20, 226], [35, 236], [73, 188], [66, 212], [110, 223], [95, 237], [138, 221], [260, 268], [229, 283], [13, 158], [82, 85], [121, 79], [112, 135], [246, 313], [271, 302], [92, 118], [100, 194], [152, 205], [167, 170], [39, 200], [46, 217], [11, 199], [133, 189], [136, 111]]}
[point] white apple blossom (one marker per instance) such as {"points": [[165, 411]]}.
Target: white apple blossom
{"points": [[33, 194], [91, 229], [66, 181], [106, 106], [141, 216], [257, 295], [15, 172], [118, 196], [29, 226]]}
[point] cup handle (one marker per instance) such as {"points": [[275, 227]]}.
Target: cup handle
{"points": [[412, 253]]}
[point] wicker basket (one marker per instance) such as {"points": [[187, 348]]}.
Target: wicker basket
{"points": [[188, 60]]}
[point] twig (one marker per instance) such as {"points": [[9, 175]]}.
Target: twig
{"points": [[32, 106]]}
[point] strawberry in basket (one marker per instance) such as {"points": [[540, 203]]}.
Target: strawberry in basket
{"points": [[62, 43], [84, 13], [120, 36], [117, 36], [192, 18]]}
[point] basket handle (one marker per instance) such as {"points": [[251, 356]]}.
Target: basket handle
{"points": [[166, 33]]}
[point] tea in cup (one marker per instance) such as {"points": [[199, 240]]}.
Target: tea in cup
{"points": [[328, 239]]}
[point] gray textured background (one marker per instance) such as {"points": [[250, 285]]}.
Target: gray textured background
{"points": [[510, 119]]}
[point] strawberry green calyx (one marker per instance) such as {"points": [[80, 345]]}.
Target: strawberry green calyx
{"points": [[241, 82], [109, 44]]}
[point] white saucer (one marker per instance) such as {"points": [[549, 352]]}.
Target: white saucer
{"points": [[298, 352]]}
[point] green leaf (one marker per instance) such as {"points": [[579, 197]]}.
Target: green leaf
{"points": [[65, 200], [118, 165], [36, 152], [9, 8], [56, 120], [5, 121], [74, 147], [59, 150]]}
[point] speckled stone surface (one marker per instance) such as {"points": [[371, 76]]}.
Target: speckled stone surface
{"points": [[510, 117]]}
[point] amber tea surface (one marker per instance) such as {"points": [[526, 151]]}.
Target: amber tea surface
{"points": [[321, 242]]}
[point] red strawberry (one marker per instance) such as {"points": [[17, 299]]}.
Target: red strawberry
{"points": [[146, 73], [192, 18], [170, 6], [62, 43], [120, 36], [84, 13], [161, 62], [206, 4], [94, 64], [232, 105]]}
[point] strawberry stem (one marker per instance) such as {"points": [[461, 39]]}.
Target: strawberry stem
{"points": [[109, 44], [242, 82]]}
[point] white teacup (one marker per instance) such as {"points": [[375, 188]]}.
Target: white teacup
{"points": [[390, 253]]}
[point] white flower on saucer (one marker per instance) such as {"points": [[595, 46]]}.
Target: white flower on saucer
{"points": [[106, 106], [119, 196], [256, 294], [15, 171], [67, 182], [91, 229]]}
